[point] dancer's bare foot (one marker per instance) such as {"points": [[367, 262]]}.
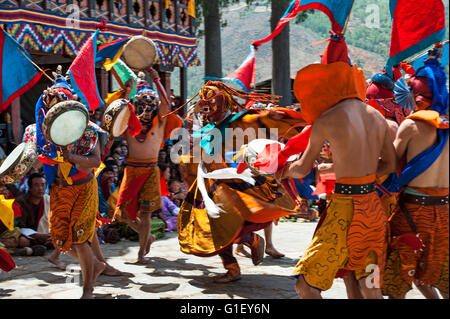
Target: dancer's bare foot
{"points": [[143, 261], [88, 290], [240, 251], [99, 267], [111, 271], [87, 294], [150, 241], [55, 260], [271, 251]]}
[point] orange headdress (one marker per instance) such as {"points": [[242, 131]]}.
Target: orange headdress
{"points": [[318, 87]]}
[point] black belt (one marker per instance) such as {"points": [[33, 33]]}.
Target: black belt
{"points": [[350, 189], [424, 200]]}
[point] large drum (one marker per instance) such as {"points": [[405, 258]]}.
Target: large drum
{"points": [[65, 123], [257, 146], [18, 163], [139, 53], [115, 118]]}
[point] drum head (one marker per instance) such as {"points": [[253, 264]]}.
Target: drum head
{"points": [[121, 122], [257, 146], [13, 158], [65, 123], [139, 53], [68, 127]]}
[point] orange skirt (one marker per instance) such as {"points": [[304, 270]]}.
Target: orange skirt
{"points": [[73, 214], [200, 234], [429, 266], [352, 236], [140, 190]]}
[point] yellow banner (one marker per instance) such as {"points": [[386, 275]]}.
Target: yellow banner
{"points": [[191, 8]]}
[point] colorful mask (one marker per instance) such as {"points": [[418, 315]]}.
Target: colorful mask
{"points": [[381, 87], [147, 102], [421, 91], [213, 103], [60, 91]]}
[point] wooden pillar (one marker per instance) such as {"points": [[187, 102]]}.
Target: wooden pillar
{"points": [[165, 80], [16, 121], [183, 87], [129, 10], [162, 13], [104, 83]]}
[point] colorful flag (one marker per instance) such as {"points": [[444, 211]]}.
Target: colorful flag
{"points": [[419, 62], [244, 75], [82, 74], [191, 8], [336, 10], [17, 73], [416, 25], [110, 52], [122, 73]]}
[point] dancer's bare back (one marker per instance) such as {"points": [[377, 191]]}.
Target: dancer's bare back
{"points": [[415, 136], [359, 138]]}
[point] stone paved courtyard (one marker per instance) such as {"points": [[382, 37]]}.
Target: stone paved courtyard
{"points": [[172, 274]]}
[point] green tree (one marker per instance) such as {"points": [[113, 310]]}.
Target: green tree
{"points": [[208, 12]]}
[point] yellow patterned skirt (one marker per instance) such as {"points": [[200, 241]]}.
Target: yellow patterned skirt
{"points": [[73, 214], [351, 237]]}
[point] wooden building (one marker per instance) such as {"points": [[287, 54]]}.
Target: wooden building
{"points": [[53, 32]]}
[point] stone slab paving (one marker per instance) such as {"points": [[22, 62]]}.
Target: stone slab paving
{"points": [[171, 274]]}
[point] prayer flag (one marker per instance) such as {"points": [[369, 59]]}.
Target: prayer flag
{"points": [[17, 73], [336, 10], [416, 25], [82, 74], [191, 8], [244, 75], [110, 52]]}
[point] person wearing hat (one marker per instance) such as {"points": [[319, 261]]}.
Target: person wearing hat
{"points": [[351, 237], [419, 225], [139, 192]]}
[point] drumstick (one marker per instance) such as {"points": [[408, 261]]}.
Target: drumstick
{"points": [[37, 67]]}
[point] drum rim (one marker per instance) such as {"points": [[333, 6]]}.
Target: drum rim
{"points": [[108, 110], [15, 177], [130, 41], [245, 152], [46, 128], [15, 162]]}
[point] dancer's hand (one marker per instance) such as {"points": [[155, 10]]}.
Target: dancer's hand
{"points": [[154, 75], [66, 152]]}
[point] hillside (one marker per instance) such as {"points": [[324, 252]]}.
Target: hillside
{"points": [[368, 47]]}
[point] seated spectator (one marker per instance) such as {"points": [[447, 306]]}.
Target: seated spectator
{"points": [[177, 193], [124, 148], [11, 239], [106, 187], [170, 213], [33, 222], [118, 158], [115, 168]]}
